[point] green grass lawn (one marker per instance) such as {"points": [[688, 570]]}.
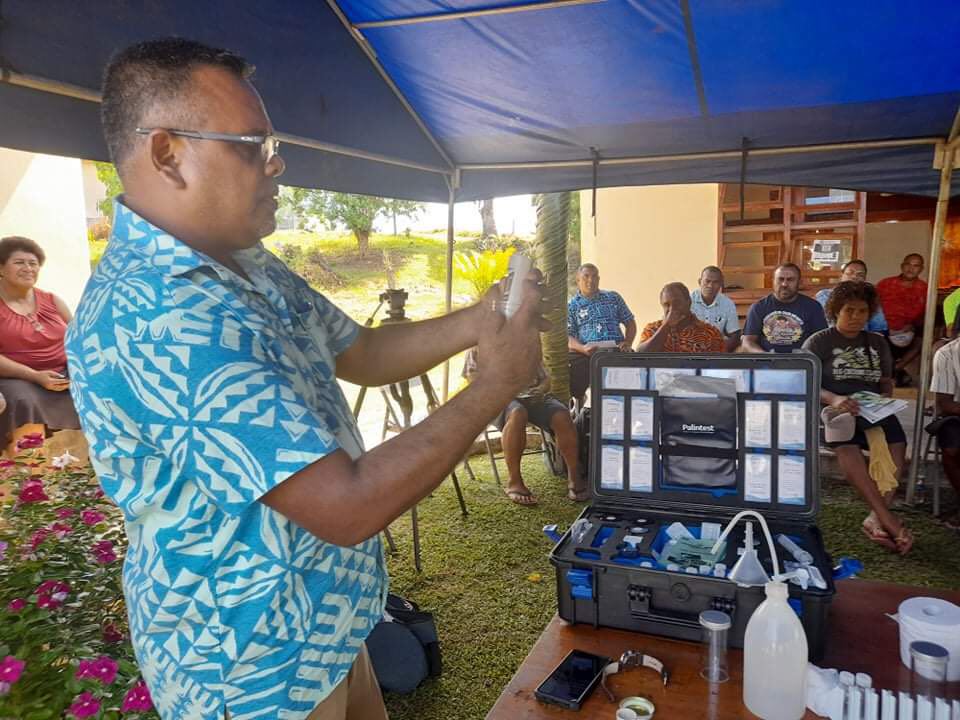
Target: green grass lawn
{"points": [[489, 581]]}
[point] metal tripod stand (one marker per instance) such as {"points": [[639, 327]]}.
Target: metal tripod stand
{"points": [[397, 395]]}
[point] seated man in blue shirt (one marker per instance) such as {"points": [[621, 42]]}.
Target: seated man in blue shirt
{"points": [[594, 320], [784, 319], [711, 306], [856, 271], [205, 375]]}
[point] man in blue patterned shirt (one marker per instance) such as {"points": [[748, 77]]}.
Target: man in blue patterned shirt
{"points": [[205, 375], [594, 319]]}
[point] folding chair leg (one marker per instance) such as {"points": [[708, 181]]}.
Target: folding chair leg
{"points": [[390, 543], [935, 481], [493, 459], [466, 466], [456, 486], [416, 538]]}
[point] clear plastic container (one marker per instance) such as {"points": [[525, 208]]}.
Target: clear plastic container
{"points": [[775, 659], [928, 669], [716, 626]]}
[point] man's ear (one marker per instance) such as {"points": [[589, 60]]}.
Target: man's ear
{"points": [[166, 156]]}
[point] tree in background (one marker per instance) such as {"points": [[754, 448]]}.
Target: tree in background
{"points": [[489, 228], [355, 212], [553, 231], [107, 174]]}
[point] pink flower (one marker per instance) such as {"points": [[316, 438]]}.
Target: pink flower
{"points": [[103, 552], [112, 634], [51, 594], [11, 669], [3, 549], [92, 517], [104, 669], [32, 491], [33, 440], [61, 530], [16, 605], [84, 705], [4, 463], [64, 513], [137, 699], [36, 540]]}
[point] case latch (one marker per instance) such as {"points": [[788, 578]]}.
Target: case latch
{"points": [[639, 597]]}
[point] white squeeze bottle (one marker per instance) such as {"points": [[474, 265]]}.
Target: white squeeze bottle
{"points": [[775, 659]]}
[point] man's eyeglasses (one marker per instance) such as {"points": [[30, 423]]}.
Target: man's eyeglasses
{"points": [[269, 144]]}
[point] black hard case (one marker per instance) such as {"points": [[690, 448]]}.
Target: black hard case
{"points": [[603, 591]]}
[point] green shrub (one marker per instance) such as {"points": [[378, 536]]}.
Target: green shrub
{"points": [[482, 269]]}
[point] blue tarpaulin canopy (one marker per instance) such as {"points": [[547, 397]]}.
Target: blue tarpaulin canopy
{"points": [[512, 97]]}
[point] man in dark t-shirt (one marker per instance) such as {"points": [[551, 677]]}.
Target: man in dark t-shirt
{"points": [[784, 319]]}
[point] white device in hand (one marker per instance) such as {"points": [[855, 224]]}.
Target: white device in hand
{"points": [[517, 271]]}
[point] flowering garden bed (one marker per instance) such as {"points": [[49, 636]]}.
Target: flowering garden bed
{"points": [[64, 642]]}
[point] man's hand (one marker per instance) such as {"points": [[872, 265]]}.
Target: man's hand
{"points": [[51, 380], [674, 317], [510, 347], [846, 404], [624, 346]]}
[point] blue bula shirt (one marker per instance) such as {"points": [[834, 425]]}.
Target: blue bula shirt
{"points": [[198, 392], [597, 318]]}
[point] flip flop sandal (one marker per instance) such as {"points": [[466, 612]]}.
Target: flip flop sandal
{"points": [[515, 496]]}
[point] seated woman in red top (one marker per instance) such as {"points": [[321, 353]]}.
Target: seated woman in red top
{"points": [[33, 362]]}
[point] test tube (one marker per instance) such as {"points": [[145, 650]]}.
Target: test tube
{"points": [[928, 669], [716, 626]]}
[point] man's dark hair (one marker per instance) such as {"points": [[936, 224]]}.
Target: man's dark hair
{"points": [[155, 73], [14, 243], [858, 261], [711, 268], [911, 255], [678, 286], [791, 266], [586, 266], [849, 291]]}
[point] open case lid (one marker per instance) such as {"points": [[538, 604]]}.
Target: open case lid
{"points": [[765, 459]]}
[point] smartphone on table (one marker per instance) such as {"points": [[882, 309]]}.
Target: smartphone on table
{"points": [[572, 680]]}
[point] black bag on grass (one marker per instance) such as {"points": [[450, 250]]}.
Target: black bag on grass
{"points": [[403, 647]]}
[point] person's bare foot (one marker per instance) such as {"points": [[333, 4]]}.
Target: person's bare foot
{"points": [[520, 495], [578, 494]]}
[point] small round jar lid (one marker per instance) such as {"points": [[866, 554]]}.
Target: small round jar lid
{"points": [[923, 650], [715, 620]]}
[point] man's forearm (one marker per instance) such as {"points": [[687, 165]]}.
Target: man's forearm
{"points": [[655, 342], [574, 345], [397, 351], [751, 345], [631, 333], [345, 502]]}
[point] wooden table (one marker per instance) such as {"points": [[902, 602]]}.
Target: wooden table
{"points": [[861, 639]]}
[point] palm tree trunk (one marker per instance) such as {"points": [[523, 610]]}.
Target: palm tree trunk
{"points": [[553, 220]]}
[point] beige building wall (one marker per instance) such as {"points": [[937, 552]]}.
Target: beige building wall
{"points": [[41, 197], [887, 243], [648, 236]]}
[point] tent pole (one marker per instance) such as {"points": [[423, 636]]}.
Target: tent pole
{"points": [[467, 14], [936, 245], [453, 183], [716, 155]]}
